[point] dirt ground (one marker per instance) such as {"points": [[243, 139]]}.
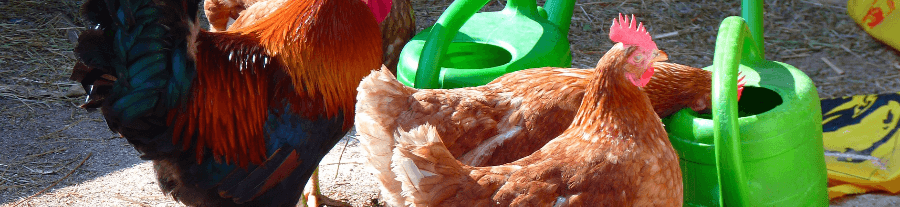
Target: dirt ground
{"points": [[48, 141]]}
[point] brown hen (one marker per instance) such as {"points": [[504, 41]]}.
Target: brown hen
{"points": [[673, 87], [396, 30], [518, 113], [614, 153]]}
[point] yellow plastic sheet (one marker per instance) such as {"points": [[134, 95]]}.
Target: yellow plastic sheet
{"points": [[862, 143], [880, 18]]}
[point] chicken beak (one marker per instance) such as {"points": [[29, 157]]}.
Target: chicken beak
{"points": [[660, 56]]}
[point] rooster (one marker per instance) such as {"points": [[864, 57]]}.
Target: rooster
{"points": [[237, 118], [397, 28], [507, 119], [615, 152]]}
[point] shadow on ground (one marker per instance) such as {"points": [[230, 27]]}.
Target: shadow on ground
{"points": [[41, 143]]}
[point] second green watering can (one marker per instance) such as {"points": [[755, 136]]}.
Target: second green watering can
{"points": [[764, 150]]}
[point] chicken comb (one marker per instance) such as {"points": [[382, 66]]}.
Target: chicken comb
{"points": [[740, 88], [625, 31]]}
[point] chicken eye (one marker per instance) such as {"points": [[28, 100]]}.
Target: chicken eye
{"points": [[638, 58]]}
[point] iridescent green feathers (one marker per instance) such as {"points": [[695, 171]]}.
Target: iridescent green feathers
{"points": [[149, 44]]}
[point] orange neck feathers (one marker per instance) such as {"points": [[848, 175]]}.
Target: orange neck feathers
{"points": [[327, 47], [611, 99], [322, 47], [230, 98]]}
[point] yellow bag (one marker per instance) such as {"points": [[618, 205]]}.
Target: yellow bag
{"points": [[862, 143], [880, 18]]}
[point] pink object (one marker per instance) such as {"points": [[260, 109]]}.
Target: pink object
{"points": [[740, 88], [645, 78], [632, 34], [380, 8], [629, 32]]}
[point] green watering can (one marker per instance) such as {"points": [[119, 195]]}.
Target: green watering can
{"points": [[487, 45], [764, 150]]}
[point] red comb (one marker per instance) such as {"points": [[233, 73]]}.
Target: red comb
{"points": [[625, 31], [740, 88]]}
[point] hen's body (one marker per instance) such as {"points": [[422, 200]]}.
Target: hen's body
{"points": [[234, 118], [614, 153], [548, 105], [503, 121], [397, 29]]}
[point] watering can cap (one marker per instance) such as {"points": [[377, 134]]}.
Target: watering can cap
{"points": [[625, 31]]}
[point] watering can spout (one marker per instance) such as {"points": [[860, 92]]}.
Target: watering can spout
{"points": [[524, 7], [559, 12]]}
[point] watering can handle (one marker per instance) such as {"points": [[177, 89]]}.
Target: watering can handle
{"points": [[734, 46], [447, 26], [559, 12], [442, 34], [752, 11]]}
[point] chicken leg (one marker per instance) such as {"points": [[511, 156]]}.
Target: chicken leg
{"points": [[312, 194]]}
